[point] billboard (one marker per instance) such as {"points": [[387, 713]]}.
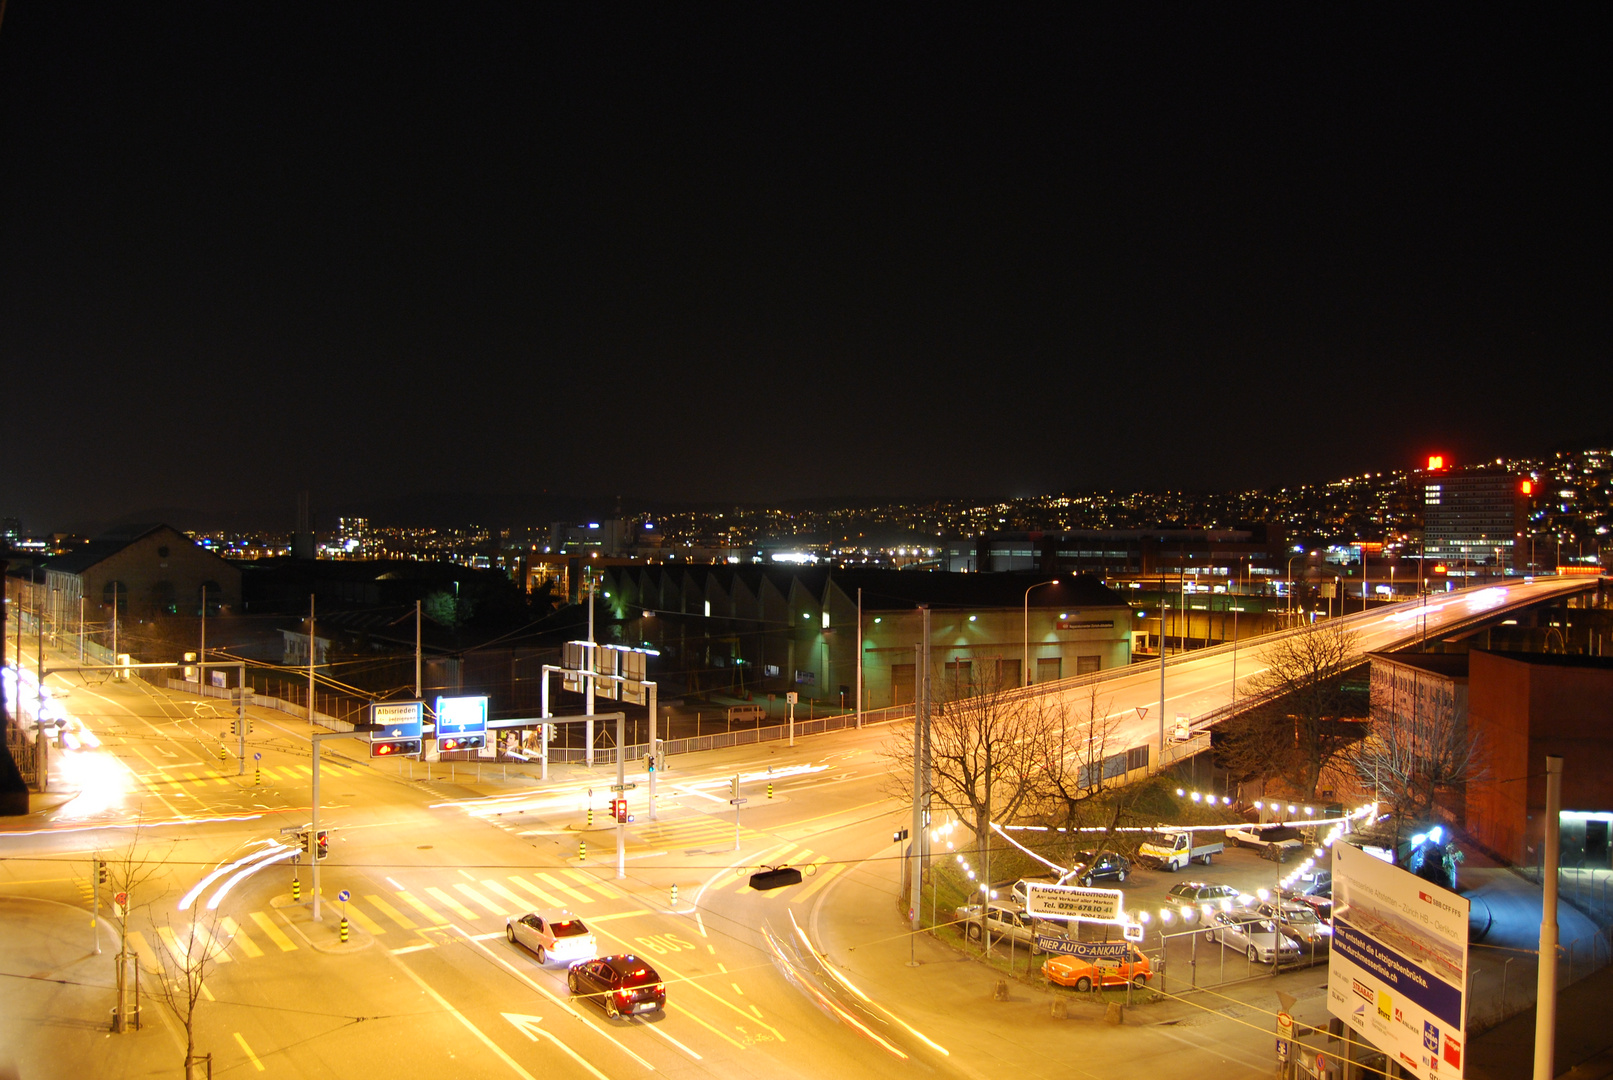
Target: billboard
{"points": [[1101, 953], [1072, 902], [1397, 971]]}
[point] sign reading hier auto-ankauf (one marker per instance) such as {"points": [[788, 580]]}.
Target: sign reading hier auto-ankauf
{"points": [[1397, 969], [1044, 901]]}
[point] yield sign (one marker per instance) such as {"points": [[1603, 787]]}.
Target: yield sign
{"points": [[526, 1025]]}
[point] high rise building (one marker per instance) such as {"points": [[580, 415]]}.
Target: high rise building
{"points": [[1472, 520]]}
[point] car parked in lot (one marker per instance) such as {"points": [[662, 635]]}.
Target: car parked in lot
{"points": [[1275, 842], [1252, 934], [1093, 866], [556, 935], [622, 985], [1084, 974], [1005, 922], [1300, 922], [1192, 894]]}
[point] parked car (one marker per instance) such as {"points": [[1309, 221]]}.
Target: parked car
{"points": [[1084, 974], [1097, 866], [1004, 921], [1252, 934], [1191, 894], [622, 985], [1313, 883], [557, 935], [1300, 922], [1275, 842], [1174, 850]]}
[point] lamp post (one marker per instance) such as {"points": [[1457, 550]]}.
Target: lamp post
{"points": [[1026, 677], [1290, 576]]}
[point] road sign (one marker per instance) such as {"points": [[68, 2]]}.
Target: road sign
{"points": [[120, 898], [343, 896], [737, 802], [257, 757], [623, 787]]}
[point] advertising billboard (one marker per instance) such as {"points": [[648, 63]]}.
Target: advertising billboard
{"points": [[1397, 971], [1072, 902]]}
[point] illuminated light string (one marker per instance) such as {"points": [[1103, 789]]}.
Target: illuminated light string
{"points": [[1359, 813]]}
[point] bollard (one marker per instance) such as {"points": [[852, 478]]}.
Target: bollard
{"points": [[769, 791], [344, 929], [590, 817], [296, 890], [582, 851], [259, 778], [222, 756], [674, 896]]}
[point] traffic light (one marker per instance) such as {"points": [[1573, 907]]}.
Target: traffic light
{"points": [[394, 748], [100, 871], [323, 843], [460, 742], [235, 726], [305, 842], [618, 810]]}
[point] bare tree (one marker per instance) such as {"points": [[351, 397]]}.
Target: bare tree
{"points": [[1079, 783], [1419, 749], [191, 953], [131, 871], [986, 748], [1296, 731]]}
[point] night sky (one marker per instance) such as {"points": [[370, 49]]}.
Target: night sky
{"points": [[756, 252]]}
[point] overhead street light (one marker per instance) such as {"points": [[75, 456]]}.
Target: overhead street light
{"points": [[1026, 675]]}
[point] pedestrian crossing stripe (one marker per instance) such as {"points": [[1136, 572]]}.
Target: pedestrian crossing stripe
{"points": [[276, 935], [238, 937], [358, 916], [480, 899], [494, 887], [821, 876], [453, 905], [544, 898], [598, 886], [391, 912], [563, 887], [432, 918], [137, 942]]}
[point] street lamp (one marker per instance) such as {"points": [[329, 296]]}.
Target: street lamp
{"points": [[1290, 576], [1026, 677]]}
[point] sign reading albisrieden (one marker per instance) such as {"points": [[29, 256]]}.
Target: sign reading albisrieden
{"points": [[398, 720], [1072, 902], [1397, 969]]}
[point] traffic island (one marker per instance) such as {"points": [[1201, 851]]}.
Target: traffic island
{"points": [[328, 935]]}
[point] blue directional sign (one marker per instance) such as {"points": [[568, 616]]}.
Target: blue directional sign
{"points": [[461, 716], [343, 896], [257, 757]]}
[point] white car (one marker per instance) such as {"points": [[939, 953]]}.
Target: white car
{"points": [[557, 935]]}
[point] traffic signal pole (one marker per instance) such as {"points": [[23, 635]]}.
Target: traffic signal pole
{"points": [[621, 787]]}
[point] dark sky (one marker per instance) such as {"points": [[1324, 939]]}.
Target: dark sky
{"points": [[753, 252]]}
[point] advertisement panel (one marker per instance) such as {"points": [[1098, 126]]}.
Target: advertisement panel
{"points": [[1044, 901], [1397, 972], [1101, 953], [461, 716]]}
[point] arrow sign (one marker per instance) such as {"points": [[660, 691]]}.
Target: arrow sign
{"points": [[526, 1025], [343, 896], [257, 757]]}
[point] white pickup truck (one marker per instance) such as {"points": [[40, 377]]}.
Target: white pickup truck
{"points": [[1275, 842], [1174, 850]]}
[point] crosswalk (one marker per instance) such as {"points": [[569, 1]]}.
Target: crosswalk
{"points": [[198, 777], [480, 903], [700, 831]]}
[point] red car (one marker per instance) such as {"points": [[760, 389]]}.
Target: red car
{"points": [[1082, 974]]}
